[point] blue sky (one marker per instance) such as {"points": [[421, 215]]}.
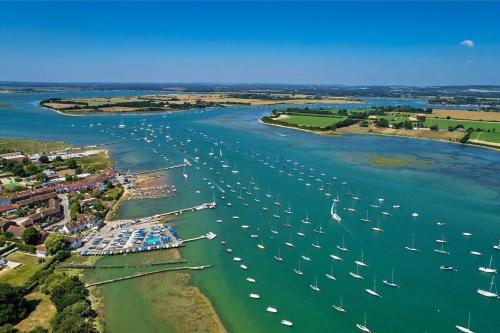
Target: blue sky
{"points": [[411, 43]]}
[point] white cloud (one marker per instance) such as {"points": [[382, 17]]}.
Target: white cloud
{"points": [[467, 43]]}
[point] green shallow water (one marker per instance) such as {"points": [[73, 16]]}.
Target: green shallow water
{"points": [[458, 185]]}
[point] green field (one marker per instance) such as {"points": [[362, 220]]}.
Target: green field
{"points": [[22, 273], [313, 120], [486, 136], [29, 146], [445, 123]]}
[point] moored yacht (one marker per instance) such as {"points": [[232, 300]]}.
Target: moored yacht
{"points": [[489, 293], [339, 307], [373, 291], [488, 269], [363, 328], [465, 329]]}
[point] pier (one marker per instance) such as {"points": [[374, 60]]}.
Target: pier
{"points": [[159, 169], [83, 266], [128, 277]]}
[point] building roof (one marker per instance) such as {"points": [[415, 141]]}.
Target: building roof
{"points": [[16, 230]]}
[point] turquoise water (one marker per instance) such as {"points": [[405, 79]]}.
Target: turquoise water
{"points": [[455, 184]]}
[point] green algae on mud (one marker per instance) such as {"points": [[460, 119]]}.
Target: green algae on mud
{"points": [[157, 303], [398, 162]]}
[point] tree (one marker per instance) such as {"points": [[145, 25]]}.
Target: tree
{"points": [[13, 305], [434, 127], [74, 324], [43, 159], [41, 177], [74, 209], [31, 236], [71, 163], [382, 122], [56, 243]]}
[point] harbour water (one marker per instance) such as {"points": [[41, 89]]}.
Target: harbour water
{"points": [[456, 185]]}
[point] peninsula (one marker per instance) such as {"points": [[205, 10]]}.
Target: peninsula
{"points": [[180, 102], [459, 126]]}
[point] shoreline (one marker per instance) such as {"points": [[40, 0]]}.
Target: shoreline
{"points": [[331, 134]]}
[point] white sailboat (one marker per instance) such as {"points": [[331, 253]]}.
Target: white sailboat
{"points": [[339, 307], [377, 228], [278, 257], [412, 248], [488, 269], [306, 219], [319, 230], [250, 279], [261, 245], [356, 275], [336, 256], [286, 322], [254, 296], [363, 328], [361, 262], [343, 248], [270, 309], [375, 204], [277, 215], [315, 286], [289, 243], [441, 250], [330, 275], [287, 224], [301, 232], [316, 245], [391, 283], [351, 209], [373, 291], [298, 271], [366, 219], [465, 329], [489, 293], [333, 212], [306, 258], [497, 247]]}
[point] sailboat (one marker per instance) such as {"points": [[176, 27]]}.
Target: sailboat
{"points": [[306, 219], [319, 230], [286, 322], [488, 269], [277, 213], [356, 197], [336, 256], [268, 194], [275, 230], [489, 293], [352, 209], [287, 224], [367, 220], [184, 174], [363, 327], [356, 275], [289, 243], [315, 286], [270, 309], [306, 258], [361, 262], [330, 275], [339, 307], [441, 250], [342, 248], [333, 212], [465, 329], [261, 245], [336, 199], [412, 247], [277, 202], [289, 209], [497, 247], [298, 271], [375, 204], [316, 245], [391, 283], [278, 257], [377, 228], [373, 291], [301, 232]]}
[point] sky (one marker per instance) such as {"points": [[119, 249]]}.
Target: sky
{"points": [[352, 43]]}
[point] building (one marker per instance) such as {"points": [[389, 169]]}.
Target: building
{"points": [[74, 243], [16, 156], [16, 230], [41, 251], [9, 209], [83, 221], [5, 224]]}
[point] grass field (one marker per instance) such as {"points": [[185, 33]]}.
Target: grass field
{"points": [[485, 136], [445, 123], [469, 115], [22, 273], [95, 162], [30, 146], [41, 316], [311, 121]]}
